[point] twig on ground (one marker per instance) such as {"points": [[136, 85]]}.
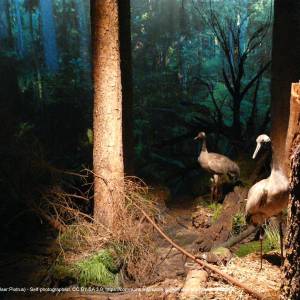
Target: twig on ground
{"points": [[204, 264]]}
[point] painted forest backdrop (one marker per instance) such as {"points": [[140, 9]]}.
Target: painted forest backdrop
{"points": [[197, 65]]}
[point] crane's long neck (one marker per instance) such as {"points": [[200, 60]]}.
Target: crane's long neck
{"points": [[278, 177], [275, 166], [204, 148]]}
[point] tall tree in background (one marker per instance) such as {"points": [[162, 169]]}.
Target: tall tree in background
{"points": [[285, 69], [4, 23], [107, 153], [49, 35], [10, 39], [181, 39], [127, 88], [31, 8], [20, 38], [82, 16], [237, 48]]}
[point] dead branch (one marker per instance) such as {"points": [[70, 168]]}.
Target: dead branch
{"points": [[203, 264], [252, 81], [238, 238]]}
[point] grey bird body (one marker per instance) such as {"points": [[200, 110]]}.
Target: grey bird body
{"points": [[216, 164]]}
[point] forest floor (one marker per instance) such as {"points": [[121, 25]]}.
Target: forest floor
{"points": [[29, 266]]}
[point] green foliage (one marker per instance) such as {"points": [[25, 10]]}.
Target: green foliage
{"points": [[99, 269], [216, 209], [252, 247], [238, 223], [272, 236], [271, 242]]}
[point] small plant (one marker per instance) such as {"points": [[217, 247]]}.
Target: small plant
{"points": [[272, 236], [238, 223], [99, 269], [216, 209], [271, 242]]}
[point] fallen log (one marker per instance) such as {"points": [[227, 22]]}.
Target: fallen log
{"points": [[202, 263], [219, 232], [238, 238]]}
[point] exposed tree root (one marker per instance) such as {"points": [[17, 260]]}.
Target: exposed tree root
{"points": [[203, 264]]}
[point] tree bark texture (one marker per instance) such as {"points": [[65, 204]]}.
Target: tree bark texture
{"points": [[291, 282], [127, 85], [107, 116], [285, 70]]}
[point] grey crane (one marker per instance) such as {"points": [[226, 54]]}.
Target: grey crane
{"points": [[216, 164], [269, 196]]}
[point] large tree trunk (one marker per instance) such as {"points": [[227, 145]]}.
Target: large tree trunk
{"points": [[107, 152], [285, 70], [127, 86], [291, 283]]}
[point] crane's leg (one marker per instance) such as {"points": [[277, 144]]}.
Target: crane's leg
{"points": [[212, 189], [261, 235], [217, 181], [216, 188]]}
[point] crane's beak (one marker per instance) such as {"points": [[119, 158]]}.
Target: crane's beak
{"points": [[256, 150], [199, 136]]}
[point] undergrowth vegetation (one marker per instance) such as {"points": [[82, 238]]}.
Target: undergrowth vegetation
{"points": [[99, 269], [238, 223], [124, 253], [216, 209], [272, 236], [271, 242]]}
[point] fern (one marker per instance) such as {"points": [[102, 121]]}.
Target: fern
{"points": [[99, 269]]}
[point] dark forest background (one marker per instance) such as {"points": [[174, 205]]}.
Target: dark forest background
{"points": [[197, 65]]}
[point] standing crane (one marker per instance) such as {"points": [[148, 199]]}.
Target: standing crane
{"points": [[269, 196], [216, 164]]}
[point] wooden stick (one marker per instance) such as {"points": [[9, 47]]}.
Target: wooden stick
{"points": [[204, 264]]}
